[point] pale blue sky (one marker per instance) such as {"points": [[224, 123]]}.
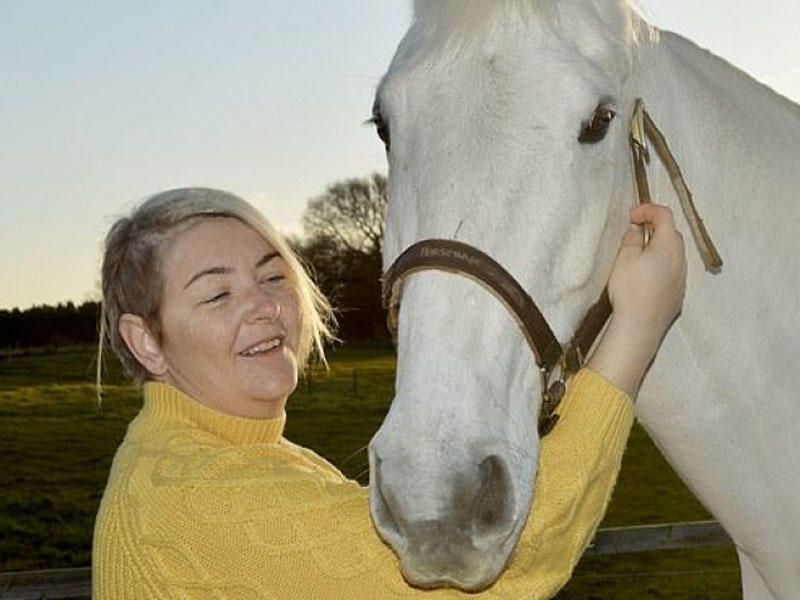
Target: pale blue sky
{"points": [[105, 102]]}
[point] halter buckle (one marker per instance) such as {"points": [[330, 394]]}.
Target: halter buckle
{"points": [[553, 391]]}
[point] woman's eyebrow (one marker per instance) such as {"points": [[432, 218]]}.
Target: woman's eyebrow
{"points": [[204, 272], [266, 258], [224, 270]]}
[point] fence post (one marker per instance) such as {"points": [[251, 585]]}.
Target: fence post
{"points": [[310, 379]]}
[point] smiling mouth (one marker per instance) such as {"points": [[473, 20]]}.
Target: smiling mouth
{"points": [[261, 348]]}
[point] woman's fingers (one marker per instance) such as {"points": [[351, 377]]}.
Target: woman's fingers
{"points": [[660, 217], [662, 223], [647, 283], [655, 214]]}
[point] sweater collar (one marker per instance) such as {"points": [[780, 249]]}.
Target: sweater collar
{"points": [[167, 403]]}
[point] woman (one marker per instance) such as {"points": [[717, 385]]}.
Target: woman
{"points": [[205, 304]]}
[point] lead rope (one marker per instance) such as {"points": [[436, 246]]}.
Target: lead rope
{"points": [[642, 128]]}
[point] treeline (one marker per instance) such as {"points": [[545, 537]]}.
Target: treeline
{"points": [[49, 326], [343, 230]]}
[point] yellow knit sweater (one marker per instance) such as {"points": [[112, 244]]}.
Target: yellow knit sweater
{"points": [[202, 505]]}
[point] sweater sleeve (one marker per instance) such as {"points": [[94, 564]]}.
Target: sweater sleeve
{"points": [[578, 466], [279, 522]]}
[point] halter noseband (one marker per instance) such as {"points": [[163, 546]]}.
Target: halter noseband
{"points": [[458, 257]]}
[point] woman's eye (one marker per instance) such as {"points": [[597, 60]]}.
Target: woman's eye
{"points": [[597, 127], [216, 298], [273, 278]]}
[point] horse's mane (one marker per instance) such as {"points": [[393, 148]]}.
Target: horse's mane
{"points": [[600, 29], [476, 11]]}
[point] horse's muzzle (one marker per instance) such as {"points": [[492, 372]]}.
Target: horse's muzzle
{"points": [[460, 535]]}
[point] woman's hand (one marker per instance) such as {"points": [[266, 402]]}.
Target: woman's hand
{"points": [[646, 291]]}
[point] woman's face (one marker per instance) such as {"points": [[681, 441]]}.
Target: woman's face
{"points": [[229, 319]]}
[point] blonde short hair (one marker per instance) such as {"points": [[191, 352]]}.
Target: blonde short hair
{"points": [[131, 270]]}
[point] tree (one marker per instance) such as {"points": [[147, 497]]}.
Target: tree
{"points": [[350, 212], [343, 236]]}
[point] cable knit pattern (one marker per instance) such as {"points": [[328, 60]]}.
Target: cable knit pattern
{"points": [[201, 505]]}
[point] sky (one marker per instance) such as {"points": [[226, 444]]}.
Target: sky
{"points": [[103, 103]]}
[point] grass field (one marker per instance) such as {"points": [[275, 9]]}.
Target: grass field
{"points": [[56, 450]]}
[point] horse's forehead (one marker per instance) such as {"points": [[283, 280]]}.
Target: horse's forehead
{"points": [[603, 31]]}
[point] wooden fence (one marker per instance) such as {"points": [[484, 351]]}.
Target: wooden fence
{"points": [[76, 583]]}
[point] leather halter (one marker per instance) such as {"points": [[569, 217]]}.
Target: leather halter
{"points": [[457, 257]]}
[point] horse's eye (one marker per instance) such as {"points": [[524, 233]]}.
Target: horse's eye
{"points": [[381, 126], [596, 129]]}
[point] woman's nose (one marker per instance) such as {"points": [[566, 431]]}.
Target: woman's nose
{"points": [[263, 306]]}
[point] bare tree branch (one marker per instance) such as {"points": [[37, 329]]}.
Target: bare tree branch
{"points": [[351, 212]]}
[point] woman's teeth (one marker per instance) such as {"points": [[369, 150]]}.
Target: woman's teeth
{"points": [[261, 348]]}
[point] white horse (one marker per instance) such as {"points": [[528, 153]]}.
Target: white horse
{"points": [[482, 108]]}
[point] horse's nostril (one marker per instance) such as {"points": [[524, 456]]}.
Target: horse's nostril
{"points": [[492, 512]]}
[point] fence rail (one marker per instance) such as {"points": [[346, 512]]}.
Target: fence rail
{"points": [[52, 585], [77, 583], [668, 536]]}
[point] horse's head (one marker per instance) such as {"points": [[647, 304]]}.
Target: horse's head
{"points": [[506, 125]]}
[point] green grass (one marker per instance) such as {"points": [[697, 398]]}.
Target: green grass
{"points": [[336, 412], [56, 450]]}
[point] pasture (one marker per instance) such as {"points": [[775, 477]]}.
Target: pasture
{"points": [[56, 450]]}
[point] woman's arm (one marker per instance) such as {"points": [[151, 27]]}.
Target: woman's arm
{"points": [[646, 290], [580, 459]]}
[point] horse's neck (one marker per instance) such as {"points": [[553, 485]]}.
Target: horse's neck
{"points": [[729, 131], [695, 81], [721, 398], [737, 143]]}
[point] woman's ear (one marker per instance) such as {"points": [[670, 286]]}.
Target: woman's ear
{"points": [[142, 344]]}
